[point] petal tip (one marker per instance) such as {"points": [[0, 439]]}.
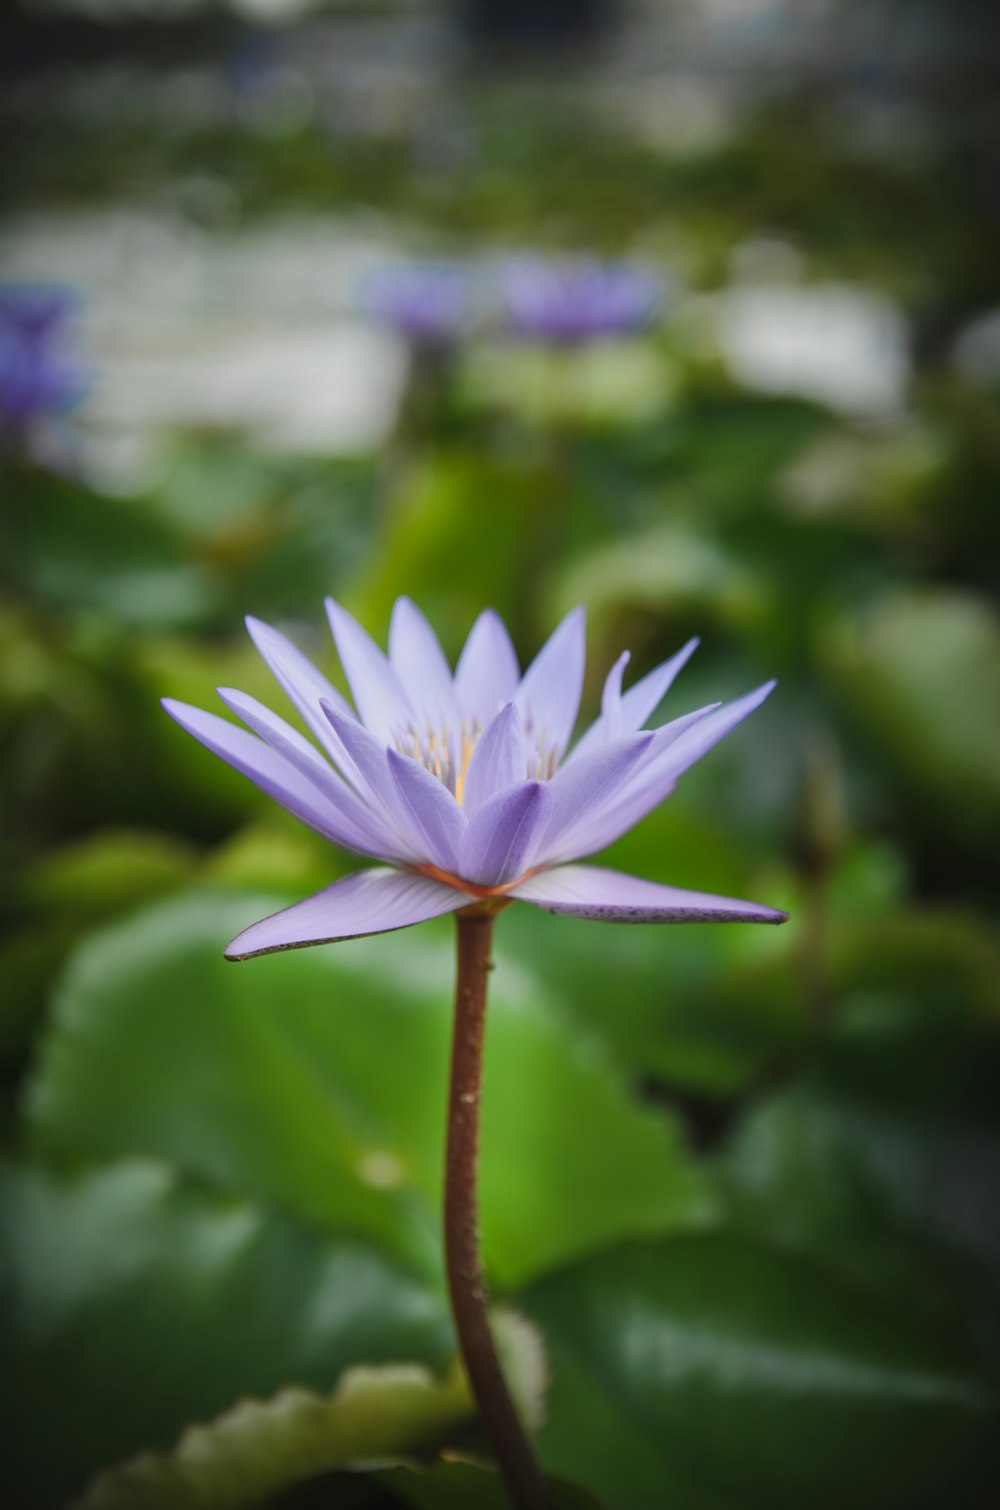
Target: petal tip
{"points": [[177, 710]]}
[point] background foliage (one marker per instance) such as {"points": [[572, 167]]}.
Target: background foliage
{"points": [[739, 1187]]}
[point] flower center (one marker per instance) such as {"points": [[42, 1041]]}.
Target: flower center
{"points": [[447, 753], [443, 752]]}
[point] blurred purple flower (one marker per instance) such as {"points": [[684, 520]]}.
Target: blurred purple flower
{"points": [[40, 375], [428, 303], [458, 781], [570, 302]]}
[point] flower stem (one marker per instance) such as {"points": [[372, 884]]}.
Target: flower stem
{"points": [[514, 1452]]}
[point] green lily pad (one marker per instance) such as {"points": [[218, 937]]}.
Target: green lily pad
{"points": [[712, 1373], [885, 1157], [133, 1303], [456, 1484], [315, 1081]]}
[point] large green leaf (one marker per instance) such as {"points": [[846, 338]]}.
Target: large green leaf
{"points": [[456, 1484], [261, 1447], [713, 1374], [133, 1303], [885, 1157], [316, 1081]]}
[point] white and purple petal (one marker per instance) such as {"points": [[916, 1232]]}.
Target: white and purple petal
{"points": [[587, 788], [421, 668], [498, 760], [609, 896], [598, 823], [381, 837], [624, 713], [273, 774], [298, 678], [642, 700], [487, 673], [433, 819], [548, 698], [502, 839], [371, 901], [364, 761], [380, 700], [611, 698], [654, 780]]}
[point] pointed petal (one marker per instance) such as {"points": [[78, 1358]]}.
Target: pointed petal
{"points": [[611, 698], [298, 678], [600, 823], [698, 740], [548, 698], [421, 668], [372, 901], [498, 760], [369, 825], [487, 673], [634, 706], [642, 700], [378, 697], [585, 789], [653, 782], [271, 772], [609, 896], [501, 839], [434, 821], [364, 761]]}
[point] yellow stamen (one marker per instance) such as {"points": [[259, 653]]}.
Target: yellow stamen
{"points": [[467, 748]]}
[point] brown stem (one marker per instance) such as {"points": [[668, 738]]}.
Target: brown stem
{"points": [[514, 1452]]}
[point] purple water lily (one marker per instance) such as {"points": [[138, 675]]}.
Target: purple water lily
{"points": [[428, 303], [569, 302], [461, 782], [39, 374]]}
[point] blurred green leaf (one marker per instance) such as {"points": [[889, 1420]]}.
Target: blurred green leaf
{"points": [[375, 1413], [712, 1373], [941, 959], [31, 954], [669, 568], [459, 1485], [620, 382], [72, 550], [470, 528], [113, 869], [886, 1154], [134, 1303], [316, 1081], [273, 853], [920, 670], [62, 894]]}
